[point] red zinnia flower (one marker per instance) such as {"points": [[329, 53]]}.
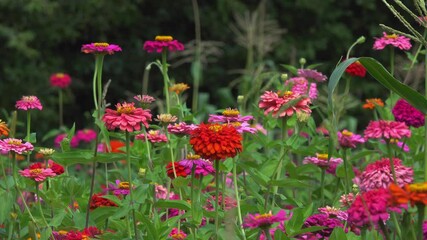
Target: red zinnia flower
{"points": [[61, 80], [215, 141], [356, 69], [98, 201], [180, 170]]}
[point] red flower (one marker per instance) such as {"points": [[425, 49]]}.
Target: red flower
{"points": [[215, 141], [356, 69], [98, 201], [180, 170]]}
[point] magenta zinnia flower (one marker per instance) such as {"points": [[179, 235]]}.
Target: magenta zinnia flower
{"points": [[321, 160], [127, 117], [37, 174], [14, 145], [61, 80], [348, 139], [163, 42], [101, 48], [333, 212], [401, 42], [263, 221], [273, 102], [28, 103], [312, 74], [300, 86], [202, 167], [229, 115], [86, 135], [379, 175], [387, 129], [405, 112], [120, 188], [321, 220], [154, 136]]}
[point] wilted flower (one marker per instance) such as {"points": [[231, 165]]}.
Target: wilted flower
{"points": [[163, 42], [347, 199], [15, 145], [127, 117], [28, 103], [166, 118], [46, 151], [387, 129], [97, 201], [371, 103], [61, 80], [405, 112], [401, 42], [178, 88], [144, 99], [101, 48]]}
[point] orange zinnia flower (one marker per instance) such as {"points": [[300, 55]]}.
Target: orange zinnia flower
{"points": [[372, 103], [4, 130], [415, 193]]}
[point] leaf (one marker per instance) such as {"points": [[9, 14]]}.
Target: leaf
{"points": [[338, 234], [57, 219], [179, 204], [290, 183]]}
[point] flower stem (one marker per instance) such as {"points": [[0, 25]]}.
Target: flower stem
{"points": [[197, 66], [421, 209], [322, 184], [393, 171], [392, 61], [425, 125], [236, 192], [165, 79], [95, 98], [282, 156], [61, 109], [347, 183], [384, 230], [217, 197], [28, 133], [130, 183]]}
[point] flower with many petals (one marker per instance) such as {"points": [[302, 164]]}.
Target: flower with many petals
{"points": [[154, 136], [405, 112], [215, 141], [322, 161], [4, 129], [176, 234], [312, 74], [272, 102], [333, 212], [176, 170], [56, 168], [163, 42], [120, 188], [97, 201], [178, 88], [61, 80], [356, 69], [202, 167], [165, 118], [387, 129], [229, 115], [372, 103], [347, 199], [86, 135], [401, 42], [321, 220], [181, 128], [300, 86], [348, 139], [37, 174], [263, 221], [127, 117], [101, 48], [15, 145], [28, 103], [415, 193]]}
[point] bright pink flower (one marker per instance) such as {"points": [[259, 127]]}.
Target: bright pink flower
{"points": [[425, 229], [300, 86], [127, 117], [379, 175], [387, 129], [263, 221], [229, 115], [401, 42], [399, 144], [312, 74], [333, 212], [273, 102], [312, 91], [177, 235], [101, 48], [15, 145], [154, 136], [37, 174], [321, 220], [181, 128], [244, 127], [28, 103], [260, 128], [202, 167], [144, 99], [163, 42], [321, 160], [120, 188], [86, 135], [61, 80], [348, 139], [60, 137], [405, 112]]}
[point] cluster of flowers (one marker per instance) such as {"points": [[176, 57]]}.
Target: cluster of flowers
{"points": [[87, 233], [82, 136]]}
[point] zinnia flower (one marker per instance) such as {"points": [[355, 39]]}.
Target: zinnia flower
{"points": [[4, 130], [176, 234], [415, 193], [348, 139], [15, 145], [229, 115], [56, 168], [98, 201], [346, 200], [202, 167], [154, 136], [229, 203], [321, 160], [401, 42], [178, 88], [215, 141], [405, 112], [379, 175], [28, 103], [61, 80], [300, 86], [356, 69], [312, 74], [86, 135], [333, 212], [181, 128], [144, 99], [321, 220], [387, 129], [166, 118], [60, 137], [180, 171], [263, 221], [163, 42], [274, 102], [371, 103], [127, 117], [37, 174], [101, 48], [120, 188]]}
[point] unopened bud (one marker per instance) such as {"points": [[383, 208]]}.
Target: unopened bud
{"points": [[141, 172], [240, 98], [284, 76], [360, 40], [303, 117], [302, 61]]}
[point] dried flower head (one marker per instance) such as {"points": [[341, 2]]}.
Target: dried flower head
{"points": [[46, 151]]}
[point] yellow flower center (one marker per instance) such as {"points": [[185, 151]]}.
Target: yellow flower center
{"points": [[60, 75], [264, 216], [36, 171], [125, 108], [215, 128], [418, 187], [62, 232], [193, 156], [285, 93], [229, 112], [391, 36], [124, 185], [236, 124], [15, 142], [347, 133], [153, 132], [29, 98], [322, 156], [164, 38], [394, 140], [101, 44]]}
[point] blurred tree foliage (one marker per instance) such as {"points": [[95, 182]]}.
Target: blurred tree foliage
{"points": [[41, 37]]}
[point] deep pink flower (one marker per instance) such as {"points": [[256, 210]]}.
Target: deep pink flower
{"points": [[120, 188], [154, 136], [177, 235], [425, 229], [321, 160], [28, 103], [86, 135], [127, 117], [273, 102], [387, 129], [405, 112], [163, 42], [379, 175], [181, 128], [321, 220], [37, 174], [202, 167], [15, 145], [73, 143], [101, 48], [61, 80], [263, 221], [348, 139], [401, 42], [333, 212], [300, 86], [312, 74], [229, 115]]}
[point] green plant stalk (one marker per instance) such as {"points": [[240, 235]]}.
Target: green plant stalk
{"points": [[28, 138], [394, 219], [282, 156], [217, 198], [267, 234], [94, 81], [236, 192], [425, 124], [384, 230], [99, 84], [420, 220], [61, 108], [130, 183], [150, 163], [390, 153], [39, 204], [392, 61], [347, 182], [165, 79], [196, 83], [322, 185]]}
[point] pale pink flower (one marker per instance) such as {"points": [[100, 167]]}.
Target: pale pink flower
{"points": [[181, 128], [37, 174], [387, 129], [15, 145], [28, 103], [154, 136], [127, 117], [61, 80], [347, 199], [401, 42], [86, 135], [348, 139], [312, 74], [100, 48], [244, 127], [260, 128], [272, 102], [162, 192], [263, 221], [321, 160], [163, 42], [144, 99]]}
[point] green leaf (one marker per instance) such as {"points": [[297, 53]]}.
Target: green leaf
{"points": [[179, 204], [338, 234], [57, 219], [290, 183]]}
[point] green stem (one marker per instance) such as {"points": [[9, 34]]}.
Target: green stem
{"points": [[130, 183], [99, 65], [393, 171], [61, 109], [39, 204], [425, 125], [384, 230], [217, 197], [165, 79], [396, 223], [322, 184], [92, 182], [282, 156], [392, 61], [420, 220], [95, 73], [267, 234], [197, 62], [147, 145], [28, 138], [347, 183], [236, 192]]}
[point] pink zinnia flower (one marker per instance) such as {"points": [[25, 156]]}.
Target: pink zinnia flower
{"points": [[348, 139], [300, 86], [312, 74], [177, 235], [127, 117], [37, 174], [101, 48], [387, 129], [14, 145], [28, 103], [61, 80], [154, 136], [321, 160], [120, 188], [229, 203], [405, 112], [263, 221], [333, 212], [229, 115], [163, 42], [379, 175], [260, 128], [56, 168], [273, 102], [401, 42], [144, 99], [202, 167], [181, 128], [60, 137], [86, 135], [162, 193], [399, 144], [346, 200], [321, 220]]}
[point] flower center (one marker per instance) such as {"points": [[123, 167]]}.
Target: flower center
{"points": [[215, 128], [124, 185], [36, 171], [60, 75], [101, 44], [394, 140], [29, 98], [391, 36], [347, 133], [322, 156], [418, 187], [229, 112], [14, 141], [236, 124], [178, 236], [193, 157], [285, 93], [263, 216], [153, 132], [164, 38], [125, 107]]}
